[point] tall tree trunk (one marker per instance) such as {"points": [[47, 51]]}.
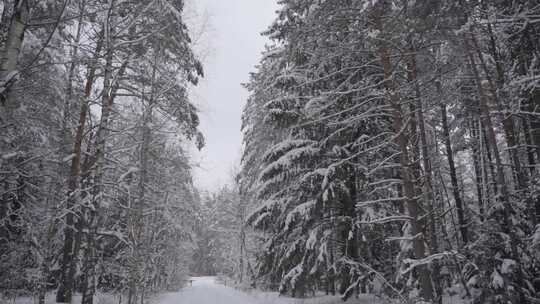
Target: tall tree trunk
{"points": [[90, 258], [453, 176], [508, 121], [501, 180], [477, 166], [534, 104], [428, 190], [70, 248], [136, 219], [531, 162], [12, 47], [92, 218], [488, 160], [347, 228], [17, 26], [110, 87], [401, 140]]}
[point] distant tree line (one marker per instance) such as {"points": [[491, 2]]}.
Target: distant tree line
{"points": [[225, 246]]}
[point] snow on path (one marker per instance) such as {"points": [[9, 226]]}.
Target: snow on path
{"points": [[206, 290]]}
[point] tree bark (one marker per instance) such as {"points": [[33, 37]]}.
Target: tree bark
{"points": [[17, 27], [477, 166], [508, 121], [100, 144], [11, 52], [501, 180], [401, 140], [453, 175], [427, 177], [68, 260]]}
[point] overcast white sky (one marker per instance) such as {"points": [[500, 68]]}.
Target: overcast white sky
{"points": [[231, 48]]}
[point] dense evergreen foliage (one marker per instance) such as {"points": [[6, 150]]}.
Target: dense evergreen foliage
{"points": [[393, 146]]}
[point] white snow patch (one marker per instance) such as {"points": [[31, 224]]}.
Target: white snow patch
{"points": [[68, 158], [507, 266], [9, 155]]}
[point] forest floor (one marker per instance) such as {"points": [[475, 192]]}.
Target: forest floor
{"points": [[205, 290]]}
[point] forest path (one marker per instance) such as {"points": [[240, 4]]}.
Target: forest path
{"points": [[205, 290]]}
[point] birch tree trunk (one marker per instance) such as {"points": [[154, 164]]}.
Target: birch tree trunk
{"points": [[12, 47], [10, 56], [92, 215]]}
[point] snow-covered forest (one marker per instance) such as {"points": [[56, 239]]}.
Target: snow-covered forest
{"points": [[95, 124], [391, 151], [404, 149]]}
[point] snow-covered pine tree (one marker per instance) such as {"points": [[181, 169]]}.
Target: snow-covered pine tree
{"points": [[369, 100]]}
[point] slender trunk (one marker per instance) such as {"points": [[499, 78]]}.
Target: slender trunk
{"points": [[453, 176], [508, 121], [15, 36], [488, 160], [65, 287], [412, 204], [532, 203], [446, 238], [12, 47], [490, 132], [427, 178], [10, 59], [132, 293], [531, 162], [136, 220], [533, 135], [477, 169], [90, 257], [401, 140], [44, 273], [534, 104], [501, 180], [70, 249], [242, 245], [350, 250], [92, 220], [331, 272]]}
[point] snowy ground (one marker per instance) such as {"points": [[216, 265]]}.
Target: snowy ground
{"points": [[100, 298], [206, 290]]}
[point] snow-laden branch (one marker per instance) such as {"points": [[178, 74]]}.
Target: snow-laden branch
{"points": [[413, 263]]}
